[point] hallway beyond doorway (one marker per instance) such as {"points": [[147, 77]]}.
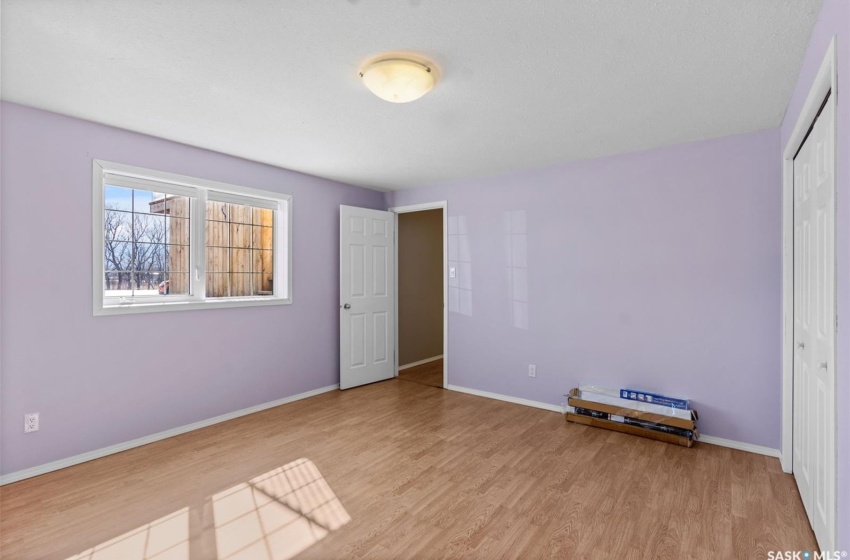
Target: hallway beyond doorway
{"points": [[425, 374]]}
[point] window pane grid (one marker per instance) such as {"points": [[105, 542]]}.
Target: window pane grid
{"points": [[239, 250], [146, 243], [152, 246]]}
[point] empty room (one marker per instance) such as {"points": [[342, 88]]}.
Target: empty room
{"points": [[422, 279]]}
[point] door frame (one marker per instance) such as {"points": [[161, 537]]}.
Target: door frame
{"points": [[824, 84], [439, 205]]}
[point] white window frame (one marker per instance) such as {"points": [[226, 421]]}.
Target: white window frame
{"points": [[199, 190]]}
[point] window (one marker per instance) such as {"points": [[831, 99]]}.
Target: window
{"points": [[239, 250], [165, 242]]}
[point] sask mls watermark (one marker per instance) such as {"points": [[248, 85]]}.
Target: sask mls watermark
{"points": [[806, 554]]}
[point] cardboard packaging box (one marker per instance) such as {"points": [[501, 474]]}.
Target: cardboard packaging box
{"points": [[628, 429], [642, 411], [635, 395], [635, 422], [654, 398]]}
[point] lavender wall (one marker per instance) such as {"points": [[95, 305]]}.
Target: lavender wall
{"points": [[99, 381], [659, 269], [834, 21]]}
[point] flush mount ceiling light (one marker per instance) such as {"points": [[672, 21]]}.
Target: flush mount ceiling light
{"points": [[398, 80]]}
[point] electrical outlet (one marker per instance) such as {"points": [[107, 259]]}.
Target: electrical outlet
{"points": [[31, 422], [532, 370]]}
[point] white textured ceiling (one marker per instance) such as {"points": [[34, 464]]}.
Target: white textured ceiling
{"points": [[524, 83]]}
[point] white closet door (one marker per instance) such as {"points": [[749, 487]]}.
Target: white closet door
{"points": [[814, 327], [803, 339]]}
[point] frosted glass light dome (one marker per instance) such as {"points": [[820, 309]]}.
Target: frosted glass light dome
{"points": [[398, 80]]}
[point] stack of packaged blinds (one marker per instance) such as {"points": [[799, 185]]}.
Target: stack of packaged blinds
{"points": [[630, 411]]}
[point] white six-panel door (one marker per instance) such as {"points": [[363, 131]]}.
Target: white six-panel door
{"points": [[814, 326], [366, 298]]}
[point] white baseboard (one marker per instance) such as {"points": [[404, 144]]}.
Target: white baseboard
{"points": [[117, 448], [506, 398], [420, 362], [711, 440], [741, 446]]}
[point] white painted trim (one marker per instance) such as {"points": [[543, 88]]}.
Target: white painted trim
{"points": [[419, 207], [444, 205], [420, 362], [117, 448], [187, 181], [190, 305], [824, 82], [787, 425], [506, 398], [198, 189], [741, 446]]}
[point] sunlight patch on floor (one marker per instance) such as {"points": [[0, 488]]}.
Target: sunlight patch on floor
{"points": [[273, 516], [276, 515], [166, 538]]}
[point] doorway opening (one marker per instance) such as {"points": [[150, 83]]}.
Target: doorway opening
{"points": [[421, 294]]}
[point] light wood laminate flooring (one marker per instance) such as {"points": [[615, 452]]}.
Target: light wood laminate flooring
{"points": [[398, 470], [427, 374]]}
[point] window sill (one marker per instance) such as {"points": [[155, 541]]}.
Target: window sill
{"points": [[158, 307]]}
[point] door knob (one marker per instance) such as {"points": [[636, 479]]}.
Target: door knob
{"points": [[824, 365], [347, 306], [801, 345]]}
